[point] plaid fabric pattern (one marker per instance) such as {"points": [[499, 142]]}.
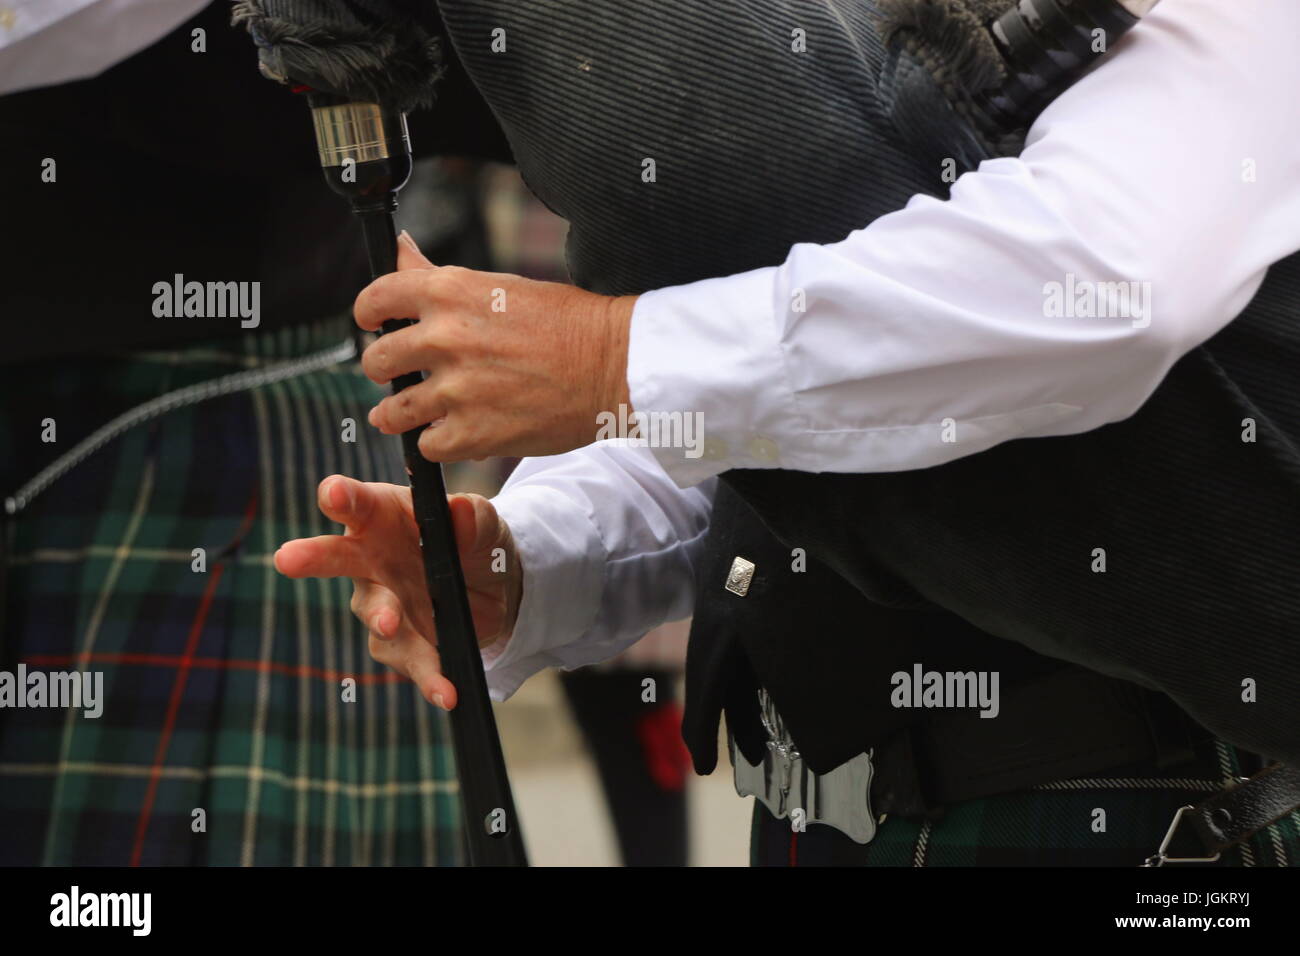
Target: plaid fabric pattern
{"points": [[1051, 825], [224, 689]]}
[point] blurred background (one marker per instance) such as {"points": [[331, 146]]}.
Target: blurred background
{"points": [[563, 809]]}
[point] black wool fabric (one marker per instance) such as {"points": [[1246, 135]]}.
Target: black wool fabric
{"points": [[757, 148]]}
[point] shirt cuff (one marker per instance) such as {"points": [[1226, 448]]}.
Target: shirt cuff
{"points": [[563, 560], [709, 355]]}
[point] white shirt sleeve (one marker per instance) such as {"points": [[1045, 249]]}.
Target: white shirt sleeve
{"points": [[608, 545], [1161, 186], [43, 42]]}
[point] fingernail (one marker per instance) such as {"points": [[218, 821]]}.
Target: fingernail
{"points": [[405, 237], [374, 413], [375, 626], [439, 702]]}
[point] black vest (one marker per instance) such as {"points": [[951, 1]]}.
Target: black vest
{"points": [[980, 564]]}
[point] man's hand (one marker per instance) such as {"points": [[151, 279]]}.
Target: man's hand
{"points": [[380, 552], [516, 367]]}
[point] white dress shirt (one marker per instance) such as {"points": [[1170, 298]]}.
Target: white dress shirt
{"points": [[940, 330]]}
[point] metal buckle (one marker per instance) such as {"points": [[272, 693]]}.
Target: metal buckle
{"points": [[783, 783], [1161, 858]]}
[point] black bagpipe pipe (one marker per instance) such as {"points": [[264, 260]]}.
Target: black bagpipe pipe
{"points": [[366, 157], [389, 51]]}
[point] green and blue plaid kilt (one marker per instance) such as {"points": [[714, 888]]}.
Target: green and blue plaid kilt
{"points": [[225, 689], [1055, 824]]}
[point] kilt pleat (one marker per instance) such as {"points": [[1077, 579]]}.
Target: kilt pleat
{"points": [[229, 690]]}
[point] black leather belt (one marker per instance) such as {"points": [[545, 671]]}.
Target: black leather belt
{"points": [[1069, 723]]}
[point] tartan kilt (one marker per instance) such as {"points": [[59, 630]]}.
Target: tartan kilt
{"points": [[223, 688], [1054, 824]]}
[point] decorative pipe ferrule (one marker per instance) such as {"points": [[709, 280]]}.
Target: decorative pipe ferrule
{"points": [[361, 132]]}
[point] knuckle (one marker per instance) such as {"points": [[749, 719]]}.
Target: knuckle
{"points": [[452, 282], [435, 278], [455, 337], [377, 360], [451, 388], [382, 653], [365, 302], [404, 406], [430, 445]]}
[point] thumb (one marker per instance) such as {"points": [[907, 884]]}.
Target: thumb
{"points": [[474, 520], [409, 255]]}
